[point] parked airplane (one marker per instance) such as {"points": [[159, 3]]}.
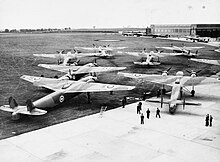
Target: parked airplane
{"points": [[182, 51], [101, 54], [198, 39], [76, 72], [63, 91], [148, 58], [213, 62], [100, 48], [179, 83], [63, 57], [72, 58]]}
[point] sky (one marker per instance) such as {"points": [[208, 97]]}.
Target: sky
{"points": [[33, 14]]}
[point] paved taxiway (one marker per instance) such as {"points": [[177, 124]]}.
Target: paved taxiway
{"points": [[118, 136]]}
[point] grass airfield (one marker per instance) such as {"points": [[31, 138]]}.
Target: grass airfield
{"points": [[16, 59]]}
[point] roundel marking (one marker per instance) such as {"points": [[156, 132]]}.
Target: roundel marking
{"points": [[61, 98]]}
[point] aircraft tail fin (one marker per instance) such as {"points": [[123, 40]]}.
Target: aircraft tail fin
{"points": [[30, 105], [12, 102]]}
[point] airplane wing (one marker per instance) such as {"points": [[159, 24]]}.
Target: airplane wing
{"points": [[189, 81], [73, 86], [133, 53], [168, 80], [192, 48], [167, 48], [88, 54], [22, 110], [87, 48], [213, 62], [47, 55], [49, 83], [157, 100], [61, 68], [119, 48], [80, 69], [179, 102], [78, 86], [96, 69]]}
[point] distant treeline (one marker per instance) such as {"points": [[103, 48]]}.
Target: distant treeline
{"points": [[55, 30]]}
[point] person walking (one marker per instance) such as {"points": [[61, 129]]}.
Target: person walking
{"points": [[210, 120], [207, 120], [123, 103], [148, 113], [158, 112], [142, 118], [139, 108]]}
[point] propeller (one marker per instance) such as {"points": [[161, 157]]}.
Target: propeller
{"points": [[165, 72], [95, 63], [193, 73], [70, 75], [159, 51], [77, 62]]}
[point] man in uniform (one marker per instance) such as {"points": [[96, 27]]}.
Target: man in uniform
{"points": [[148, 113], [158, 112], [142, 118]]}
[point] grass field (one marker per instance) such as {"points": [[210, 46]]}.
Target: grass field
{"points": [[16, 51]]}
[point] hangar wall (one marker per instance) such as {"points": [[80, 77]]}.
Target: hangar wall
{"points": [[202, 30]]}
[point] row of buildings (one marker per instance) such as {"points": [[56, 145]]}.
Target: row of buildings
{"points": [[178, 30]]}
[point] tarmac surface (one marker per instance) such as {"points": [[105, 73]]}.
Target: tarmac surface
{"points": [[117, 135]]}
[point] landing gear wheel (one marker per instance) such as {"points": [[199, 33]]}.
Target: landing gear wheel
{"points": [[193, 93], [56, 77]]}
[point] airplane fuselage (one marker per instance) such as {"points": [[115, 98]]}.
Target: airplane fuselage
{"points": [[175, 96], [54, 99]]}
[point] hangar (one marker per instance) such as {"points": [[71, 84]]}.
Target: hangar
{"points": [[202, 30]]}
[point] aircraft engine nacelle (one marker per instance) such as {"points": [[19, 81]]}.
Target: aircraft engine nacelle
{"points": [[89, 79], [164, 74], [179, 73], [172, 108]]}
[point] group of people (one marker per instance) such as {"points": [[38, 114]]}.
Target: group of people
{"points": [[208, 120], [139, 108]]}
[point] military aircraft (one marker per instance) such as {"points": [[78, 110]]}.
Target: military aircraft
{"points": [[179, 83], [63, 91], [196, 39], [63, 57], [148, 58], [101, 54], [76, 72], [213, 62], [100, 48], [182, 51]]}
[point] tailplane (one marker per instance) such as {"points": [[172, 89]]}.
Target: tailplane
{"points": [[12, 102], [30, 105]]}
